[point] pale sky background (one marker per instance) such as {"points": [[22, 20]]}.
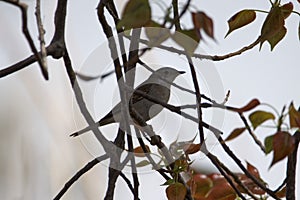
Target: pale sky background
{"points": [[36, 155]]}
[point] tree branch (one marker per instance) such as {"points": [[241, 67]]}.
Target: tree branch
{"points": [[81, 172]]}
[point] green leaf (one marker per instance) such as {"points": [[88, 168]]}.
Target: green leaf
{"points": [[273, 41], [273, 24], [142, 163], [137, 13], [294, 116], [176, 191], [188, 39], [169, 182], [240, 19], [202, 21], [236, 132], [283, 145], [258, 117], [269, 144]]}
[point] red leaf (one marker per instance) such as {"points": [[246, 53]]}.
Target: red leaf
{"points": [[281, 193], [252, 104], [202, 21], [287, 9], [250, 185], [139, 152], [192, 148], [236, 132], [240, 19], [176, 191], [200, 185], [222, 192], [283, 145], [253, 170], [294, 116]]}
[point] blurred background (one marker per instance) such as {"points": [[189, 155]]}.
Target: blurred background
{"points": [[37, 156]]}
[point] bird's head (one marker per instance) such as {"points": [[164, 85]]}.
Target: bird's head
{"points": [[166, 73]]}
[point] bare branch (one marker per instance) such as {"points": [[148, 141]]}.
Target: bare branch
{"points": [[23, 8], [41, 37], [81, 172]]}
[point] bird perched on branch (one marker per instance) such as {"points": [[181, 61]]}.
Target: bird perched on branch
{"points": [[156, 86]]}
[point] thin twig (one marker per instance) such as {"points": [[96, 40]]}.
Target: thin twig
{"points": [[23, 7], [81, 172], [256, 140], [41, 37], [198, 98]]}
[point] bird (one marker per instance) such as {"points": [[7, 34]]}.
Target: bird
{"points": [[157, 86]]}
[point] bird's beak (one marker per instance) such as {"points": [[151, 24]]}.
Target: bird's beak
{"points": [[181, 72]]}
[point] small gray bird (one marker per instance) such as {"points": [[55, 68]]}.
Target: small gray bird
{"points": [[157, 85]]}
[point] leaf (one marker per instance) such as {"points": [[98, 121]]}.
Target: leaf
{"points": [[156, 34], [188, 39], [192, 148], [273, 24], [294, 116], [240, 19], [283, 145], [202, 21], [176, 191], [269, 144], [287, 9], [200, 185], [258, 117], [281, 193], [137, 13], [252, 104], [253, 170], [139, 152], [236, 132], [250, 185], [222, 192], [169, 182], [142, 163], [273, 41]]}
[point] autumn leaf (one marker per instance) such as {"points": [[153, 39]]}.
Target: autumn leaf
{"points": [[252, 104], [240, 19], [222, 192], [283, 145], [273, 24], [258, 117], [176, 191], [253, 170], [137, 13], [139, 152], [294, 116], [287, 9], [202, 21], [200, 185], [235, 133], [273, 41], [191, 148]]}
